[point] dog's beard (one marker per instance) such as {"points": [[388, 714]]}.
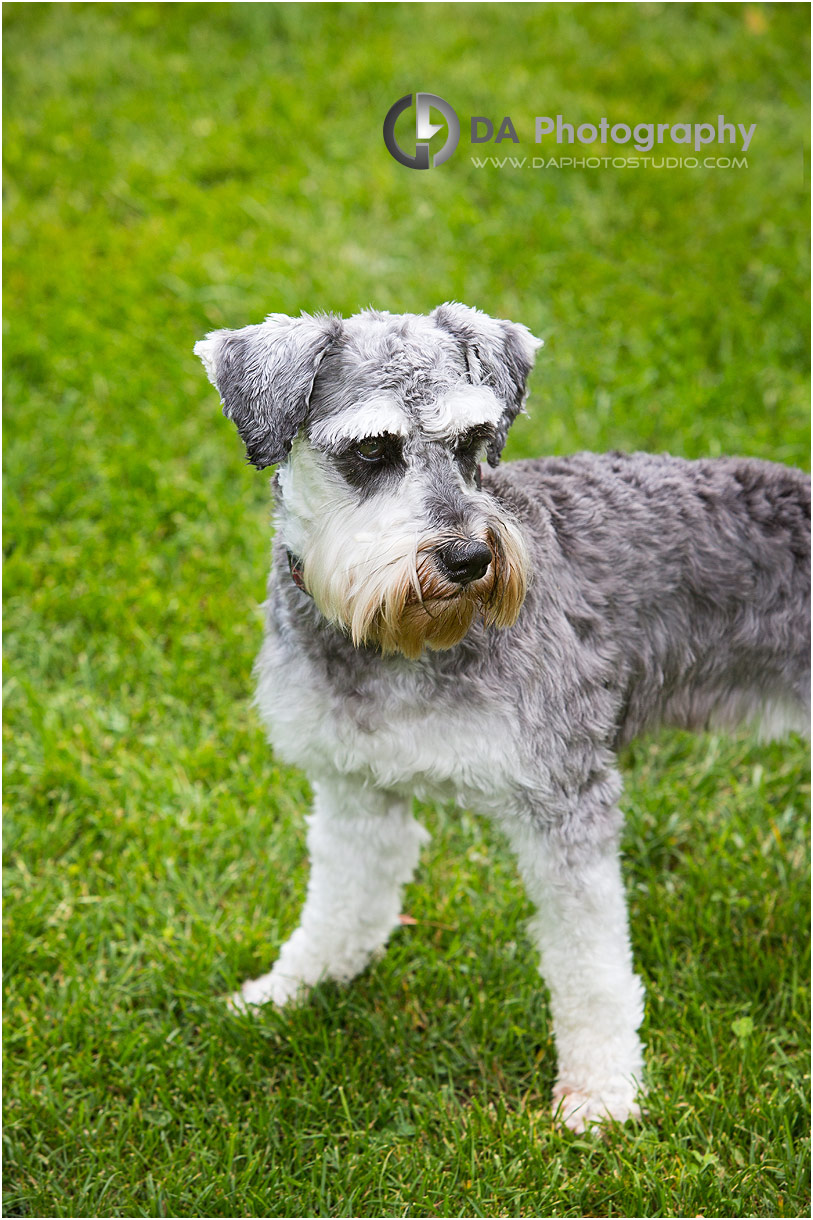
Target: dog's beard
{"points": [[425, 609], [403, 603]]}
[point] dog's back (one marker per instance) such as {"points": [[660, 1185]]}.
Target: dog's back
{"points": [[690, 581]]}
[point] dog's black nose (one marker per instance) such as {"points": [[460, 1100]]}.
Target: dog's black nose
{"points": [[464, 562]]}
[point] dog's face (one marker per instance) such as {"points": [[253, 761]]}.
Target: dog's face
{"points": [[379, 423]]}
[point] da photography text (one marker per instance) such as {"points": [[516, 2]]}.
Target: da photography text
{"points": [[544, 130]]}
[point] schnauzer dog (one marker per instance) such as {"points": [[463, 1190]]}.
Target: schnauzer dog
{"points": [[440, 627]]}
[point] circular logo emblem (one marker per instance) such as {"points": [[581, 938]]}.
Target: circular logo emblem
{"points": [[424, 130]]}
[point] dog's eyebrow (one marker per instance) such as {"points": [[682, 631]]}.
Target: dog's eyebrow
{"points": [[461, 409], [376, 417]]}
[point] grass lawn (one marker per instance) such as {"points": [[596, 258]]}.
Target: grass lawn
{"points": [[174, 168]]}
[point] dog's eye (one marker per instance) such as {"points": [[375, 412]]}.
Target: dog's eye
{"points": [[374, 448], [474, 441], [471, 449], [366, 463]]}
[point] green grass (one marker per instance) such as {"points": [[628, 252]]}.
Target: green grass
{"points": [[170, 169]]}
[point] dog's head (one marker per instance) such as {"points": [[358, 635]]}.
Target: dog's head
{"points": [[379, 422]]}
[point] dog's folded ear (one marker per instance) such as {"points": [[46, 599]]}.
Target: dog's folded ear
{"points": [[265, 374], [498, 354]]}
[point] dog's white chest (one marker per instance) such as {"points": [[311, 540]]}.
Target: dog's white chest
{"points": [[450, 752]]}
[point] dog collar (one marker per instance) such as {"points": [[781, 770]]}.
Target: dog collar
{"points": [[295, 568]]}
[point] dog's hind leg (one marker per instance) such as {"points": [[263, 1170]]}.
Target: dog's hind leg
{"points": [[364, 846], [597, 1001]]}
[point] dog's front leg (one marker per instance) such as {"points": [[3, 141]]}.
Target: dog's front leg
{"points": [[597, 1002], [363, 845]]}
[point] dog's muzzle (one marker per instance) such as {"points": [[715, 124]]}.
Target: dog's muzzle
{"points": [[420, 596]]}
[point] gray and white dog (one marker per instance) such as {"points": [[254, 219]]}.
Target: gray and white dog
{"points": [[446, 629]]}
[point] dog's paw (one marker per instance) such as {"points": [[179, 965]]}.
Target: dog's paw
{"points": [[580, 1111], [271, 988]]}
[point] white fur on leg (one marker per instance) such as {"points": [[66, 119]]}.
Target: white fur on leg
{"points": [[364, 846], [585, 958]]}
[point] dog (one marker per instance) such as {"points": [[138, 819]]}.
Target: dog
{"points": [[442, 626]]}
